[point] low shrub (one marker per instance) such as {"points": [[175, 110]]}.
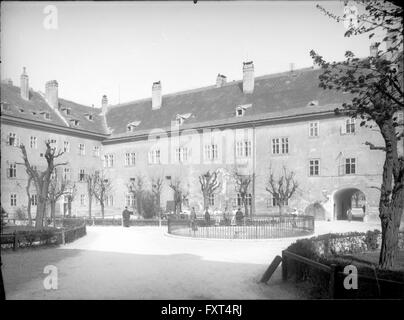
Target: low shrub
{"points": [[331, 249]]}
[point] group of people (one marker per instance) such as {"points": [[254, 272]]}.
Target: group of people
{"points": [[239, 217]]}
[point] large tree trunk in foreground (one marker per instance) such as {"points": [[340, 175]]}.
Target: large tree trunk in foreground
{"points": [[40, 212], [391, 197], [90, 201], [390, 220]]}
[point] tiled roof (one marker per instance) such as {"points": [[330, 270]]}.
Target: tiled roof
{"points": [[279, 94], [34, 108]]}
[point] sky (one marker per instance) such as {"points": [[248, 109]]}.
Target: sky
{"points": [[121, 48]]}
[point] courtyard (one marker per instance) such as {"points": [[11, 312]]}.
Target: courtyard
{"points": [[146, 263]]}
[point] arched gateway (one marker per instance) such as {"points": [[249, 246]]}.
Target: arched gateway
{"points": [[349, 198]]}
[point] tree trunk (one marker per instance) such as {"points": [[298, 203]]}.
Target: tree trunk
{"points": [[90, 201], [69, 207], [53, 212], [40, 212], [391, 197], [102, 209], [390, 220], [205, 201]]}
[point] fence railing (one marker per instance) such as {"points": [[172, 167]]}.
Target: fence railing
{"points": [[258, 227]]}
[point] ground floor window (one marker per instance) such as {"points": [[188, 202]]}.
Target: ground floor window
{"points": [[34, 200], [13, 199]]}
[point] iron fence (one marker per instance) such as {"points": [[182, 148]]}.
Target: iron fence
{"points": [[257, 227]]}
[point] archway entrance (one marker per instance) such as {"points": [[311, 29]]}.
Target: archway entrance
{"points": [[349, 198]]}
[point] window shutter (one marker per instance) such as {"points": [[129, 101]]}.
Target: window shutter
{"points": [[8, 172]]}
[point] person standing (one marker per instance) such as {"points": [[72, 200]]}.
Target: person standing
{"points": [[239, 216], [349, 214], [207, 217], [125, 217]]}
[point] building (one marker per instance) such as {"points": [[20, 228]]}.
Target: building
{"points": [[257, 123]]}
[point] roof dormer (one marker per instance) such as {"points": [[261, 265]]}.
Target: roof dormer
{"points": [[46, 115], [240, 110], [74, 122], [89, 116], [132, 126], [180, 118]]}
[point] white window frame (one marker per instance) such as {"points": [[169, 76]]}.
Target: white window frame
{"points": [[313, 164], [314, 129], [13, 199], [33, 142], [82, 149]]}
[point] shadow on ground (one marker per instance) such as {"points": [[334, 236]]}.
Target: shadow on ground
{"points": [[85, 274]]}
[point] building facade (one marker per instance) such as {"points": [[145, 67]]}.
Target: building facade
{"points": [[255, 126]]}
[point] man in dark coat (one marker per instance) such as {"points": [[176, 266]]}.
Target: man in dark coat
{"points": [[126, 217], [207, 217], [239, 216]]}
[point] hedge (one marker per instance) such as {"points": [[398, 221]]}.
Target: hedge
{"points": [[334, 249]]}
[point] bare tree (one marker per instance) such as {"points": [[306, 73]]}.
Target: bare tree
{"points": [[180, 194], [281, 188], [209, 184], [157, 187], [58, 187], [29, 205], [136, 188], [102, 189], [41, 179], [91, 179], [242, 184]]}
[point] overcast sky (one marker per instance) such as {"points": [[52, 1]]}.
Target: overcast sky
{"points": [[119, 49]]}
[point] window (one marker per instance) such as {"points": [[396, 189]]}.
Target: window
{"points": [[13, 200], [211, 152], [350, 166], [212, 200], [89, 117], [46, 115], [109, 201], [12, 170], [74, 122], [154, 156], [66, 173], [130, 159], [33, 142], [66, 146], [181, 154], [13, 140], [313, 129], [130, 200], [280, 145], [68, 111], [243, 149], [82, 175], [96, 151], [179, 121], [314, 167], [53, 174], [82, 149], [34, 200], [348, 127], [82, 199], [248, 199], [108, 161], [111, 160], [271, 202]]}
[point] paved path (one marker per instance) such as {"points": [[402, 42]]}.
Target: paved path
{"points": [[144, 263]]}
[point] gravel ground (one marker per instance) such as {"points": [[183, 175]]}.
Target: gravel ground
{"points": [[146, 263]]}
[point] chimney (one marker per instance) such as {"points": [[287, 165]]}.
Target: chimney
{"points": [[292, 67], [51, 93], [220, 80], [248, 77], [156, 95], [104, 104], [373, 50], [24, 86]]}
